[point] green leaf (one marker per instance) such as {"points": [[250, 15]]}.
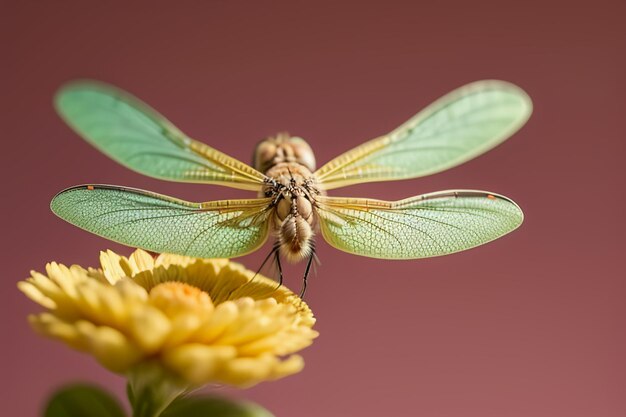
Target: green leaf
{"points": [[214, 406], [81, 400]]}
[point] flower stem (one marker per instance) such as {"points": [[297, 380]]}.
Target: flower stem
{"points": [[151, 391]]}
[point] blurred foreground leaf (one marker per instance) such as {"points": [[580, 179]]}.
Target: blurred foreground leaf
{"points": [[80, 400], [214, 406]]}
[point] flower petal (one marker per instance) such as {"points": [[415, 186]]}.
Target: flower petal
{"points": [[109, 346], [114, 266], [198, 363], [149, 328]]}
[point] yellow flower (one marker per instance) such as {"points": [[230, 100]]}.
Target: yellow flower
{"points": [[199, 320]]}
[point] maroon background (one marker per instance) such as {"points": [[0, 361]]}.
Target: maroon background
{"points": [[531, 325]]}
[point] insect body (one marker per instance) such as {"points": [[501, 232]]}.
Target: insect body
{"points": [[289, 162], [292, 202]]}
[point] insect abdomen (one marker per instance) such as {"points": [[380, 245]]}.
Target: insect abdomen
{"points": [[295, 238]]}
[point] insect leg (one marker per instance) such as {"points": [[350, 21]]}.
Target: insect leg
{"points": [[306, 273], [272, 252], [280, 267]]}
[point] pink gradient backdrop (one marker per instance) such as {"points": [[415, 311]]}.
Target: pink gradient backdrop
{"points": [[531, 325]]}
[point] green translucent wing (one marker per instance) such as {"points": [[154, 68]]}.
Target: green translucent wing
{"points": [[217, 229], [417, 227], [456, 128], [136, 136]]}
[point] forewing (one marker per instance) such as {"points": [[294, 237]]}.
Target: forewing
{"points": [[217, 229], [418, 227], [456, 128], [136, 136]]}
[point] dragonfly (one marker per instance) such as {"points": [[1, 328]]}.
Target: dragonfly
{"points": [[292, 203]]}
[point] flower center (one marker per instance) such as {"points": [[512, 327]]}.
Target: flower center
{"points": [[174, 298]]}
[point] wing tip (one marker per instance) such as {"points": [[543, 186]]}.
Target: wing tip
{"points": [[80, 85], [516, 209], [84, 84], [56, 199], [493, 83], [63, 95]]}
